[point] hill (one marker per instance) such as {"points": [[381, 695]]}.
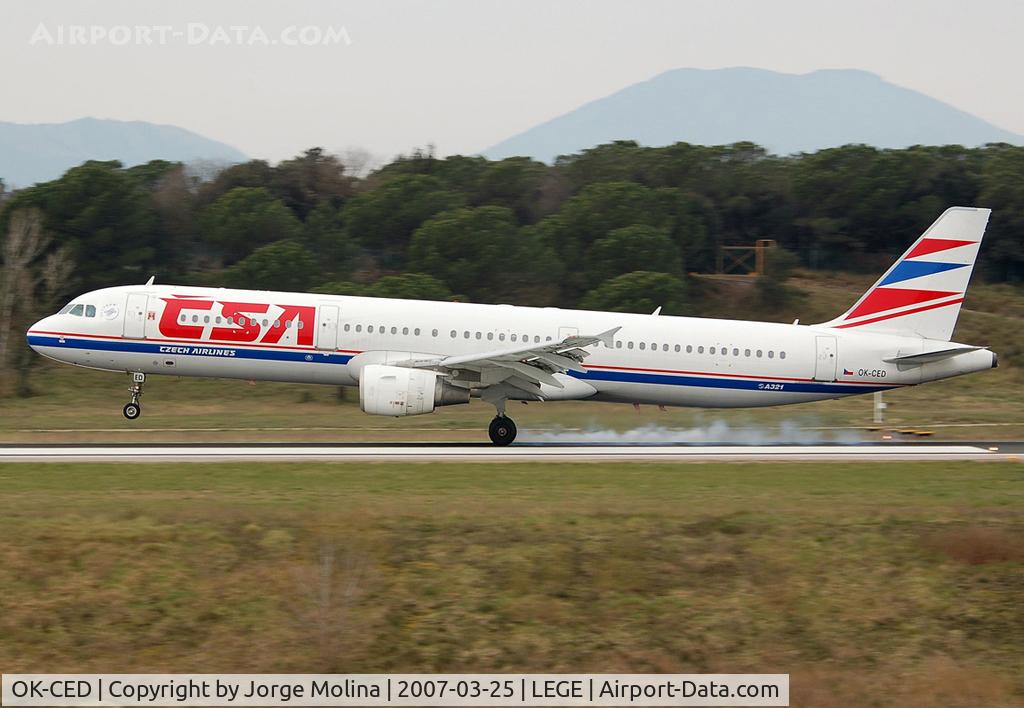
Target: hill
{"points": [[786, 113], [31, 153]]}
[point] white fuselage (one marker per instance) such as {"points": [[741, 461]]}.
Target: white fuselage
{"points": [[308, 338]]}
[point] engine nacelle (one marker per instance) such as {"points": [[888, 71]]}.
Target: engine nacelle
{"points": [[399, 391]]}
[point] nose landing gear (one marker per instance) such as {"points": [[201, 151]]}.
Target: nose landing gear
{"points": [[133, 409]]}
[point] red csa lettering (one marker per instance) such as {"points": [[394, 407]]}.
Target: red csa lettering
{"points": [[248, 328], [169, 325], [303, 335]]}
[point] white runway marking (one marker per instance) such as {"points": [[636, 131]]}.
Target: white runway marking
{"points": [[472, 453]]}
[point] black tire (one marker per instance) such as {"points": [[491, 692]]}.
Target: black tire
{"points": [[502, 430], [132, 411]]}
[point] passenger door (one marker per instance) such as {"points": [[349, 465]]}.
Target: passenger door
{"points": [[826, 360], [327, 328], [135, 316]]}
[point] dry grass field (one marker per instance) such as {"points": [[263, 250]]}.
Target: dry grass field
{"points": [[872, 584]]}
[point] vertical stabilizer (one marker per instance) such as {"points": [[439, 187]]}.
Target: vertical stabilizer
{"points": [[921, 294]]}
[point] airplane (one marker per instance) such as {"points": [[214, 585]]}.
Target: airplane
{"points": [[409, 357]]}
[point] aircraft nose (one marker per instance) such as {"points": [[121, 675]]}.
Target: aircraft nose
{"points": [[34, 333]]}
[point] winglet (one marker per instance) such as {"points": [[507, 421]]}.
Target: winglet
{"points": [[608, 338]]}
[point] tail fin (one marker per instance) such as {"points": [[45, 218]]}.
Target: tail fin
{"points": [[920, 294]]}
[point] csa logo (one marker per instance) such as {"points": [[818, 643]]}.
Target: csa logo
{"points": [[241, 320]]}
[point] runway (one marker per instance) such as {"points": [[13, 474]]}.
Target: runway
{"points": [[456, 452]]}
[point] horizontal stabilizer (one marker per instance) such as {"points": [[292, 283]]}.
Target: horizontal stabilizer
{"points": [[926, 357]]}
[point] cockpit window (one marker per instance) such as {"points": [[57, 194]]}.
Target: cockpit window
{"points": [[77, 310], [90, 310], [66, 309]]}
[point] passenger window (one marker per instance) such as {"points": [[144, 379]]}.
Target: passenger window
{"points": [[478, 335], [218, 321], [758, 353], [359, 328], [782, 355], [195, 318], [771, 354], [643, 345], [501, 337], [746, 353], [664, 347], [416, 332], [536, 338], [629, 345], [369, 329], [618, 344], [735, 351], [513, 337], [490, 336], [711, 351], [453, 334], [347, 327], [689, 349], [466, 334], [90, 310], [700, 349], [182, 319], [405, 330], [394, 330]]}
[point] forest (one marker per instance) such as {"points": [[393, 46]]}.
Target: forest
{"points": [[617, 227]]}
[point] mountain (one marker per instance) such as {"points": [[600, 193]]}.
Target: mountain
{"points": [[32, 153], [785, 113]]}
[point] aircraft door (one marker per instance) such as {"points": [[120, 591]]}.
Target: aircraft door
{"points": [[327, 328], [135, 316], [826, 360], [566, 332]]}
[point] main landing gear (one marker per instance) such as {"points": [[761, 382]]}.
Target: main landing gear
{"points": [[133, 409], [502, 430]]}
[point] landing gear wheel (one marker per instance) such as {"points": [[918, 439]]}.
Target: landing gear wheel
{"points": [[502, 430], [132, 411]]}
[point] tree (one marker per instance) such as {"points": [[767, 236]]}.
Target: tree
{"points": [[310, 180], [591, 215], [641, 292], [244, 219], [324, 234], [482, 254], [383, 220], [410, 286], [284, 265], [105, 217], [30, 281], [632, 248]]}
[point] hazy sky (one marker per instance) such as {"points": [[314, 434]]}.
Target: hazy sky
{"points": [[465, 74]]}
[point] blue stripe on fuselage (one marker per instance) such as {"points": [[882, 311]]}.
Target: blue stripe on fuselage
{"points": [[740, 384], [319, 357]]}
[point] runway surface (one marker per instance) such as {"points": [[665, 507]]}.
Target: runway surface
{"points": [[456, 452]]}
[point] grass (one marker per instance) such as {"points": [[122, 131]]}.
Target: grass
{"points": [[175, 409], [869, 583]]}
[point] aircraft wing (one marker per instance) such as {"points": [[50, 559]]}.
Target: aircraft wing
{"points": [[525, 367]]}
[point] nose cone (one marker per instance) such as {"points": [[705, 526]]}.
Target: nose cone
{"points": [[35, 333]]}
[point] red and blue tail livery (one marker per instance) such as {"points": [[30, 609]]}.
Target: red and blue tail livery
{"points": [[922, 292]]}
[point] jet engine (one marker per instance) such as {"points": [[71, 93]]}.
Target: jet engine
{"points": [[400, 391]]}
